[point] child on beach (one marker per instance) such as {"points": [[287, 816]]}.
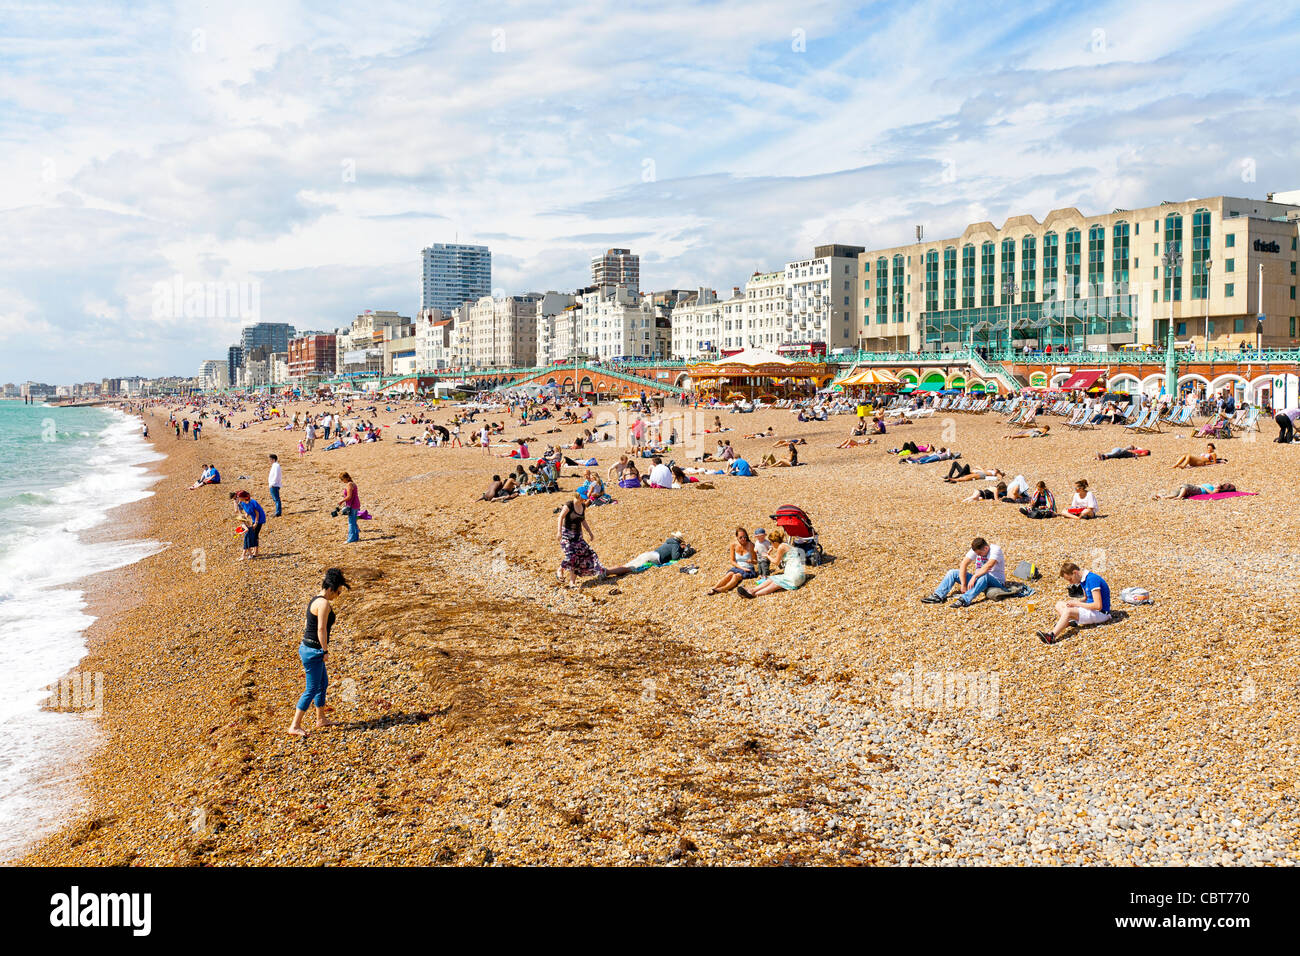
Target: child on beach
{"points": [[254, 516], [313, 648]]}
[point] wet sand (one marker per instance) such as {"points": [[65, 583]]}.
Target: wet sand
{"points": [[486, 715]]}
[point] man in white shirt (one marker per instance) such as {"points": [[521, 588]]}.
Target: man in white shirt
{"points": [[661, 475], [983, 567], [275, 479]]}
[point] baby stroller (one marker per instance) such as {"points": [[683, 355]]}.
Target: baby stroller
{"points": [[798, 528]]}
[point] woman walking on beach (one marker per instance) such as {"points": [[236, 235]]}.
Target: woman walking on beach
{"points": [[315, 645], [579, 559], [351, 504]]}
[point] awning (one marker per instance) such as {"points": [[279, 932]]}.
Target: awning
{"points": [[1083, 379]]}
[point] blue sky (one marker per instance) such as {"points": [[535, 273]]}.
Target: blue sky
{"points": [[314, 149]]}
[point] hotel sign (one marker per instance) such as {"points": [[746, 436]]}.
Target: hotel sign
{"points": [[1262, 246]]}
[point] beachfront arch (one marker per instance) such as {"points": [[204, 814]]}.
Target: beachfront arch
{"points": [[934, 378], [1124, 382], [908, 377], [1152, 384], [1258, 385], [1194, 377], [1060, 378], [1240, 386], [957, 381], [683, 380], [586, 385]]}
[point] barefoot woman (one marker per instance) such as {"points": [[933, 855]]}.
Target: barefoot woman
{"points": [[315, 645]]}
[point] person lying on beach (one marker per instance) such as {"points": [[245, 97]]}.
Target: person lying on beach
{"points": [[1093, 608], [1042, 504], [854, 443], [787, 441], [984, 566], [997, 493], [770, 433], [959, 472], [743, 560], [1132, 451], [911, 448], [1038, 431], [1018, 490], [674, 549], [785, 556], [943, 454], [1190, 491], [1211, 457]]}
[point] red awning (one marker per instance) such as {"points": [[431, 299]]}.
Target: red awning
{"points": [[1083, 379]]}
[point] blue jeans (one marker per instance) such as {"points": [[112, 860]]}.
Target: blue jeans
{"points": [[951, 579], [354, 533], [313, 663], [275, 496]]}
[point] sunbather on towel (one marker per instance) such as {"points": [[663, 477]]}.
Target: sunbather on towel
{"points": [[1190, 491], [674, 549], [959, 472], [942, 454]]}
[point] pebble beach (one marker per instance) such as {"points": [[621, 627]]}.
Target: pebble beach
{"points": [[485, 715]]}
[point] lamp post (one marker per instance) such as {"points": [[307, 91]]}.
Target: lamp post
{"points": [[1009, 290], [1172, 259]]}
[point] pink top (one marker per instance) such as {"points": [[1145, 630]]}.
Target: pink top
{"points": [[354, 496]]}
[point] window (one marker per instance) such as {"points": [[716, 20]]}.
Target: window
{"points": [[1073, 258], [1210, 329], [1293, 326], [1230, 240], [882, 291], [1174, 243], [1119, 259], [1239, 325], [950, 278], [1182, 328], [899, 283], [1228, 291], [968, 276], [1229, 265], [986, 274], [1008, 269], [1028, 264], [1293, 267], [1200, 254], [1096, 260], [1050, 264]]}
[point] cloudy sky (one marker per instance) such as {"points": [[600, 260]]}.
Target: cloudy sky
{"points": [[310, 150]]}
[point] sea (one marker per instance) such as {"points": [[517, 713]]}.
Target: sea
{"points": [[62, 471]]}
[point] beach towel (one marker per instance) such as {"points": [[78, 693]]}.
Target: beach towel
{"points": [[1223, 494]]}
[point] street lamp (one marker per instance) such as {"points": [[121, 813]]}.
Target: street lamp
{"points": [[1009, 290], [1172, 259]]}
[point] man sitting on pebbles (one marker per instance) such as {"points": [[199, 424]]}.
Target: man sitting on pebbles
{"points": [[983, 567], [1093, 608]]}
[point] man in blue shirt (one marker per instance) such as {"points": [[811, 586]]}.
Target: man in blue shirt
{"points": [[740, 467], [1092, 608], [255, 518]]}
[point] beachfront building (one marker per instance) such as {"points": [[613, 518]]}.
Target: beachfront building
{"points": [[434, 330], [617, 267], [214, 373], [234, 362], [1091, 282], [819, 295], [697, 325], [312, 356], [399, 350], [280, 368], [501, 333], [553, 308], [256, 370], [767, 310], [272, 336], [454, 273]]}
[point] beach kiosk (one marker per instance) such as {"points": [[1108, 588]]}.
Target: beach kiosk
{"points": [[759, 374]]}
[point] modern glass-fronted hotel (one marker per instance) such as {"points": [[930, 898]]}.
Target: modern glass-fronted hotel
{"points": [[1091, 281]]}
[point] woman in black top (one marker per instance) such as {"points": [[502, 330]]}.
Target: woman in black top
{"points": [[315, 645], [579, 559]]}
